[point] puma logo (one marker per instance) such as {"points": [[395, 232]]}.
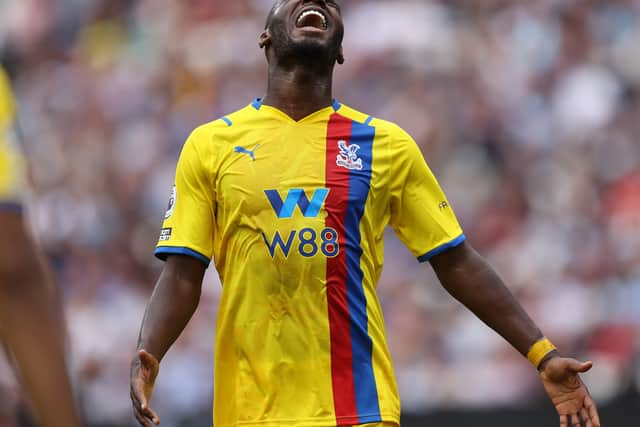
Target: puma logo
{"points": [[250, 153]]}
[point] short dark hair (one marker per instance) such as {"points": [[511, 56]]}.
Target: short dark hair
{"points": [[271, 12]]}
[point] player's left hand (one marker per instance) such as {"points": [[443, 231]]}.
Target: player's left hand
{"points": [[561, 380]]}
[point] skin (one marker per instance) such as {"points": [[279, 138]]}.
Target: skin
{"points": [[301, 63], [173, 302], [32, 325], [473, 282]]}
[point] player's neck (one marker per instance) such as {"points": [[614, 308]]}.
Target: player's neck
{"points": [[299, 91]]}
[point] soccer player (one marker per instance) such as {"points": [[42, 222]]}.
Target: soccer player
{"points": [[31, 318], [290, 196]]}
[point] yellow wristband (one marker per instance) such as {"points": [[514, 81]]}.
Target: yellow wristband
{"points": [[539, 350]]}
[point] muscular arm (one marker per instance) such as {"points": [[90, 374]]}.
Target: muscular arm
{"points": [[173, 302], [473, 282], [32, 325]]}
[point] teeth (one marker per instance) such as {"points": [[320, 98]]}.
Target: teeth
{"points": [[313, 12]]}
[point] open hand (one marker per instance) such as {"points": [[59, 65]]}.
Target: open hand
{"points": [[144, 370], [568, 393]]}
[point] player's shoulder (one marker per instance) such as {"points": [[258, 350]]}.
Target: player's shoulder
{"points": [[384, 128], [352, 114], [222, 129]]}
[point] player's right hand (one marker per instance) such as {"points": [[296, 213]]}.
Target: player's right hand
{"points": [[144, 370]]}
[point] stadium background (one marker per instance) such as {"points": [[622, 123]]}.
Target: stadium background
{"points": [[528, 112]]}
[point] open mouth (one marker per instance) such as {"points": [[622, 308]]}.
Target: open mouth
{"points": [[312, 18]]}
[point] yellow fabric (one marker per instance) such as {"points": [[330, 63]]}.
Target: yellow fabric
{"points": [[539, 350], [11, 160], [293, 213], [7, 104]]}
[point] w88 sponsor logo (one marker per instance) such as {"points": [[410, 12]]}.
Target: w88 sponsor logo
{"points": [[307, 241]]}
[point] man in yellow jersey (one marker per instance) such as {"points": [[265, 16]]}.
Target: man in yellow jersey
{"points": [[31, 319], [290, 196]]}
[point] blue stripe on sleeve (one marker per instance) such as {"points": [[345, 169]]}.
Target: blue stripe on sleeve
{"points": [[227, 121], [442, 248], [163, 251]]}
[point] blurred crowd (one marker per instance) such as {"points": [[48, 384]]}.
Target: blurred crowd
{"points": [[527, 111]]}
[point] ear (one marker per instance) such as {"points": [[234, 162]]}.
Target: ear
{"points": [[340, 57], [265, 39]]}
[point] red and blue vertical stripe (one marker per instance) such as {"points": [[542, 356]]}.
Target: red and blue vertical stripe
{"points": [[355, 393]]}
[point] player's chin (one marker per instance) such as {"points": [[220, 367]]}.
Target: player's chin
{"points": [[311, 33], [320, 43], [312, 41]]}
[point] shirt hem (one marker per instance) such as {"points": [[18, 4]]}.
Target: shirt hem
{"points": [[354, 420]]}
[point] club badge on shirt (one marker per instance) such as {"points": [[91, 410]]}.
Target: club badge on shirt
{"points": [[348, 157]]}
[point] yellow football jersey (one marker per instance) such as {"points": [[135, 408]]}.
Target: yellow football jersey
{"points": [[293, 213], [11, 161]]}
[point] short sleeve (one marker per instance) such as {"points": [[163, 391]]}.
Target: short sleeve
{"points": [[7, 104], [12, 162], [189, 220], [421, 215]]}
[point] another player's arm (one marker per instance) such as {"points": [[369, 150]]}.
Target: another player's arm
{"points": [[173, 302], [473, 282], [32, 324]]}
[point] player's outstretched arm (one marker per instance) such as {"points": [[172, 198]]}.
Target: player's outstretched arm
{"points": [[32, 325], [173, 302], [473, 282]]}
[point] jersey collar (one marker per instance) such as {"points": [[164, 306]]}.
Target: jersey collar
{"points": [[257, 104]]}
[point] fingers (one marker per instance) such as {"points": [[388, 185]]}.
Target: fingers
{"points": [[564, 421], [584, 367], [141, 405], [593, 411], [144, 422], [587, 416], [149, 413], [578, 367], [142, 412], [584, 416], [141, 409], [137, 411], [575, 421]]}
